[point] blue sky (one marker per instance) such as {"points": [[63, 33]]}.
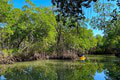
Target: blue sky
{"points": [[46, 3], [20, 3]]}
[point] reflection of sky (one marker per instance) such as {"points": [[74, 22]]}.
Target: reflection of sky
{"points": [[2, 77], [47, 3], [2, 24], [100, 76]]}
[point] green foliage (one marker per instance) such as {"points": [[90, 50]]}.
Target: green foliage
{"points": [[28, 28], [7, 52], [107, 19], [83, 42], [32, 30], [112, 34], [4, 9]]}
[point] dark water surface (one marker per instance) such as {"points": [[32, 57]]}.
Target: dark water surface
{"points": [[95, 68]]}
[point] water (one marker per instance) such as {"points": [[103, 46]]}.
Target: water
{"points": [[95, 68]]}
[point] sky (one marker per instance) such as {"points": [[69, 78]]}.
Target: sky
{"points": [[47, 3], [20, 3]]}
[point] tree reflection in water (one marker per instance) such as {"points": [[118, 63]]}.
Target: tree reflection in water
{"points": [[113, 71], [62, 71]]}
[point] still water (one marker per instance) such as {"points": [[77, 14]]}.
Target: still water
{"points": [[95, 68]]}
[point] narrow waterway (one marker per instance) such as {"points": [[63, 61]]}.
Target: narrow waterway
{"points": [[95, 68]]}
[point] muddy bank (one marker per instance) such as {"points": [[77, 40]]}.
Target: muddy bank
{"points": [[38, 56]]}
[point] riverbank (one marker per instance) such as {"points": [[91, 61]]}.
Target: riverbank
{"points": [[71, 57], [37, 56]]}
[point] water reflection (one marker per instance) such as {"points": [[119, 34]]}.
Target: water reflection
{"points": [[2, 77], [61, 71], [100, 75], [113, 71]]}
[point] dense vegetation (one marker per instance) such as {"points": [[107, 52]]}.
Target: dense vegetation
{"points": [[34, 33]]}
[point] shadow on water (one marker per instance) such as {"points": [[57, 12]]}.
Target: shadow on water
{"points": [[99, 69]]}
